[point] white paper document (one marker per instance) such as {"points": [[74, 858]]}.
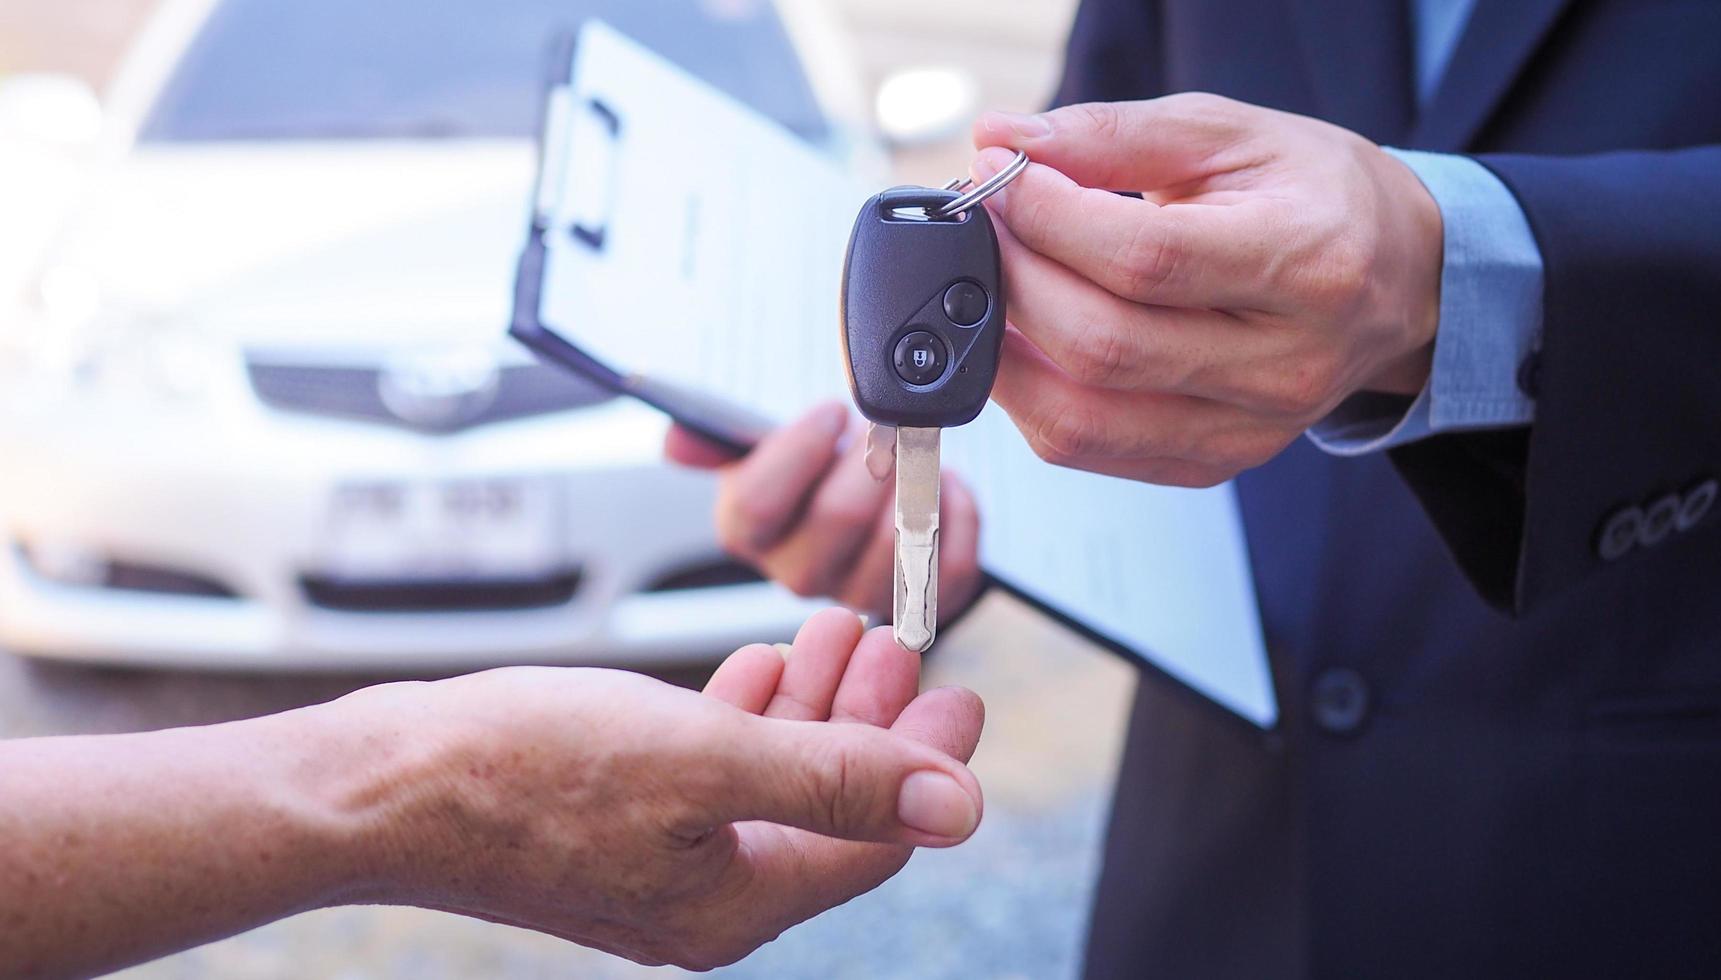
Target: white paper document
{"points": [[694, 241]]}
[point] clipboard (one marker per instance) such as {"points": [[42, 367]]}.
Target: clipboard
{"points": [[723, 423], [724, 281]]}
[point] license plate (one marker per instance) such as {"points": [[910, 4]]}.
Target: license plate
{"points": [[502, 528]]}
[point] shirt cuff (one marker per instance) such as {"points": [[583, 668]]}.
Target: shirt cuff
{"points": [[1490, 320]]}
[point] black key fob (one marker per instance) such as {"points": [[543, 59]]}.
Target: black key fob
{"points": [[922, 310]]}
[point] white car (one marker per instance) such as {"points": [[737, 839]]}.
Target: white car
{"points": [[255, 408]]}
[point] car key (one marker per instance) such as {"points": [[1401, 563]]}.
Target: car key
{"points": [[922, 327]]}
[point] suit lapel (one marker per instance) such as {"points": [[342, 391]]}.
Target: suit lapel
{"points": [[1491, 53], [1359, 61]]}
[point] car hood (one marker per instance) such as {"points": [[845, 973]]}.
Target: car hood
{"points": [[350, 245]]}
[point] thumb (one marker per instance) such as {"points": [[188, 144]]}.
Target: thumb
{"points": [[849, 781], [1123, 146]]}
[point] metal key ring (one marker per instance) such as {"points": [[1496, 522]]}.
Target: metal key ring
{"points": [[993, 185]]}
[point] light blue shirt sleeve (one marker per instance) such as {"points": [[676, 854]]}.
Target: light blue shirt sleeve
{"points": [[1490, 320]]}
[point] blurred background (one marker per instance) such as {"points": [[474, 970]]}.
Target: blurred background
{"points": [[262, 442]]}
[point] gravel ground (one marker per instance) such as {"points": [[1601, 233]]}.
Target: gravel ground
{"points": [[1011, 903]]}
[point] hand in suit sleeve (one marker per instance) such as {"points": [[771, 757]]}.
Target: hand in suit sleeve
{"points": [[1275, 267]]}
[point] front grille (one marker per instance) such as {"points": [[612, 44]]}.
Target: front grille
{"points": [[502, 595], [352, 392]]}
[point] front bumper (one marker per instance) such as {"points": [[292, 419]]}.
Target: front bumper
{"points": [[240, 498]]}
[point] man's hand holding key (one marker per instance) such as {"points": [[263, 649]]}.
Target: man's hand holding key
{"points": [[1273, 266]]}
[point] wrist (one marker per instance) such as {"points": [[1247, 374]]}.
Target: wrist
{"points": [[370, 779], [1415, 220]]}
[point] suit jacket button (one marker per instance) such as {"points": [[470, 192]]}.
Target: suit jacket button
{"points": [[1530, 375], [1340, 701], [1618, 534], [1658, 521], [1698, 502]]}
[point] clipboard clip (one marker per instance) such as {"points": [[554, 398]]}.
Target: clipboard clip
{"points": [[581, 146]]}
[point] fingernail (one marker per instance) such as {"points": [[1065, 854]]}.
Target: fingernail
{"points": [[988, 162], [1020, 125], [783, 649], [835, 418], [936, 804]]}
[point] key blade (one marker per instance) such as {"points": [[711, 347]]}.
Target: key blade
{"points": [[916, 620]]}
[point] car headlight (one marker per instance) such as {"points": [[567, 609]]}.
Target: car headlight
{"points": [[76, 338], [41, 334], [151, 360]]}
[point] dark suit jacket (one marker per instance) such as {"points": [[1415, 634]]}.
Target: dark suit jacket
{"points": [[1498, 655]]}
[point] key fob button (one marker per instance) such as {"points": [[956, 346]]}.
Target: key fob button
{"points": [[920, 358], [965, 304]]}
